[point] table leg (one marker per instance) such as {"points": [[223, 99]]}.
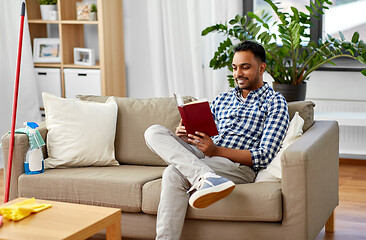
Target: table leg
{"points": [[113, 232]]}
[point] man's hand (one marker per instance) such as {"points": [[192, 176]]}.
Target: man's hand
{"points": [[204, 143], [181, 132]]}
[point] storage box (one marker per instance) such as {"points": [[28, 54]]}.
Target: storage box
{"points": [[82, 82], [48, 80]]}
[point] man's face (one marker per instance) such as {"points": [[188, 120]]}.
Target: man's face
{"points": [[248, 70]]}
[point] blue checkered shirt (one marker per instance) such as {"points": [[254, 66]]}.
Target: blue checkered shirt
{"points": [[257, 123]]}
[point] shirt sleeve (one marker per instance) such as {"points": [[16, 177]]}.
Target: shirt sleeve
{"points": [[275, 128]]}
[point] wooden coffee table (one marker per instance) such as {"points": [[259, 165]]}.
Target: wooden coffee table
{"points": [[64, 221]]}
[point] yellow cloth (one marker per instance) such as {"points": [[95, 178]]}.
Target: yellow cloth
{"points": [[20, 210]]}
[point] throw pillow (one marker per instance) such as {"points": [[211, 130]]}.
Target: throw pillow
{"points": [[306, 112], [273, 170], [80, 133]]}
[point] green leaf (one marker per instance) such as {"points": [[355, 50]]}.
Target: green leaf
{"points": [[350, 51], [294, 10], [364, 72], [360, 59], [355, 37], [331, 62], [233, 21], [313, 5], [361, 44], [364, 55], [243, 20], [346, 44], [342, 36], [231, 81], [237, 17], [309, 9]]}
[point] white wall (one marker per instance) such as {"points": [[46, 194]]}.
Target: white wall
{"points": [[337, 86]]}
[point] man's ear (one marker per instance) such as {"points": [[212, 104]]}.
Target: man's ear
{"points": [[262, 68]]}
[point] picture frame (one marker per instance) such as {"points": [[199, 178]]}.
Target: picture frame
{"points": [[84, 56], [83, 10], [46, 50]]}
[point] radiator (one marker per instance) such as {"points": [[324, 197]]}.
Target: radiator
{"points": [[351, 117]]}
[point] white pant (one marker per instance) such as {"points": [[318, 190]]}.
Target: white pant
{"points": [[187, 165]]}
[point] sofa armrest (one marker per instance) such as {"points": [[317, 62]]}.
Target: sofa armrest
{"points": [[310, 175], [21, 145], [43, 131]]}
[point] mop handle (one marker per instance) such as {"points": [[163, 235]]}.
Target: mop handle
{"points": [[15, 104]]}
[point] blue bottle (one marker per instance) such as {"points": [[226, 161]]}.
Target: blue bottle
{"points": [[34, 162]]}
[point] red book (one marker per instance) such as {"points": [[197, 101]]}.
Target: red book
{"points": [[197, 117]]}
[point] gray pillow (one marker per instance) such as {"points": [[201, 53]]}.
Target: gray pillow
{"points": [[306, 112]]}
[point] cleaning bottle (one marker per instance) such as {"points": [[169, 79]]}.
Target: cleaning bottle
{"points": [[34, 162]]}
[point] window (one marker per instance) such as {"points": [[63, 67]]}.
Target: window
{"points": [[285, 6], [347, 16]]}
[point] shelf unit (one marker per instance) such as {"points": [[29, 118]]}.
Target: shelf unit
{"points": [[71, 33]]}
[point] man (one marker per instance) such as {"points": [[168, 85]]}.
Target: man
{"points": [[252, 120]]}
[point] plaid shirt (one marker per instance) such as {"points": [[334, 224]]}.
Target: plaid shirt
{"points": [[257, 123]]}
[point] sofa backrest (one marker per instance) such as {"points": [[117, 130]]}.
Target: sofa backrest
{"points": [[135, 115]]}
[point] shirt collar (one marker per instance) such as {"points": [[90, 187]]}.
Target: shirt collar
{"points": [[254, 93]]}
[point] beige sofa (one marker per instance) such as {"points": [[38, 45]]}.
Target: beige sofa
{"points": [[295, 208]]}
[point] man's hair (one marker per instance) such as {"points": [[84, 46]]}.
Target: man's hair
{"points": [[254, 47]]}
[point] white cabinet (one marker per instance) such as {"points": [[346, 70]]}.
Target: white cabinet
{"points": [[82, 82], [48, 80]]}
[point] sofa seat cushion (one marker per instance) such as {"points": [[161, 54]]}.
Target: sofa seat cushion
{"points": [[117, 186], [248, 202]]}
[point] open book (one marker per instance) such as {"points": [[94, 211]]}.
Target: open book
{"points": [[197, 116]]}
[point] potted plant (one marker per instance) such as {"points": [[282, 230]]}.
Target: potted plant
{"points": [[46, 7], [291, 63], [93, 12]]}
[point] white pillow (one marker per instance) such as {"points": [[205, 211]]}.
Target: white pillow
{"points": [[80, 133], [273, 171]]}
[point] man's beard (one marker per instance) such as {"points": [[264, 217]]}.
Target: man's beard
{"points": [[243, 87]]}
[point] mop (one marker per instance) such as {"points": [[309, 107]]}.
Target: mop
{"points": [[15, 104]]}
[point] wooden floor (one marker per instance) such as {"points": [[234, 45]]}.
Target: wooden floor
{"points": [[350, 215]]}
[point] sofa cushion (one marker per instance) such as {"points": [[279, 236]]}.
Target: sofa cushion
{"points": [[80, 133], [117, 186], [248, 202], [273, 172], [306, 112], [134, 117]]}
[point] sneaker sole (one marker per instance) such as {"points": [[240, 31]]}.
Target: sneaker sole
{"points": [[203, 199]]}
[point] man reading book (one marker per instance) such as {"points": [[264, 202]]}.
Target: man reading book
{"points": [[252, 121]]}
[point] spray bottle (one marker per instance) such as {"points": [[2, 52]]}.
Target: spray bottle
{"points": [[34, 159]]}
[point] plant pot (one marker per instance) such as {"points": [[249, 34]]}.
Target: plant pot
{"points": [[46, 10], [291, 92], [93, 16]]}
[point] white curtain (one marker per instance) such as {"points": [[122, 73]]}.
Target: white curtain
{"points": [[28, 105], [165, 52]]}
